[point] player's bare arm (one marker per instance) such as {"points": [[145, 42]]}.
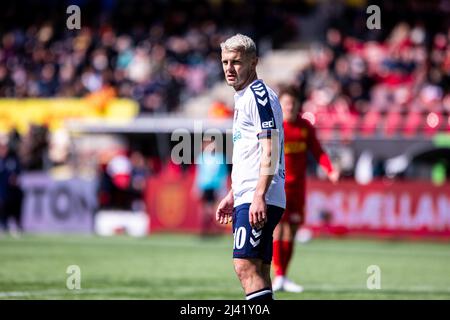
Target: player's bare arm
{"points": [[322, 158], [224, 211], [333, 176], [258, 208]]}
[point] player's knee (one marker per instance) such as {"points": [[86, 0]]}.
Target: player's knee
{"points": [[277, 232], [293, 231]]}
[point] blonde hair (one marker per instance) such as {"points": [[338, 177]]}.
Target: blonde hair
{"points": [[241, 43]]}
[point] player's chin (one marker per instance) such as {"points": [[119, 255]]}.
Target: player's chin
{"points": [[231, 81]]}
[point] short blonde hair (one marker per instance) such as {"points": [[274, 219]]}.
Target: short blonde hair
{"points": [[241, 43]]}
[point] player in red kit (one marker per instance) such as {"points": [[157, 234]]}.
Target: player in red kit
{"points": [[300, 137]]}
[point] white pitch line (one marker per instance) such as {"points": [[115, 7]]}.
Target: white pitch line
{"points": [[308, 288]]}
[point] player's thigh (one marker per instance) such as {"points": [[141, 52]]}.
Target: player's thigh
{"points": [[295, 204], [253, 243], [285, 231], [281, 231], [247, 240]]}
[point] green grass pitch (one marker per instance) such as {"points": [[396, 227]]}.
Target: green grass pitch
{"points": [[168, 266]]}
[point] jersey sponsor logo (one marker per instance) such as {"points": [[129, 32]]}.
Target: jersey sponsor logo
{"points": [[260, 93], [258, 86], [294, 147], [236, 136], [254, 243], [255, 237], [259, 90], [262, 102], [268, 124]]}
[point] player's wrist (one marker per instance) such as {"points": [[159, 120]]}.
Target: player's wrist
{"points": [[259, 195], [230, 197]]}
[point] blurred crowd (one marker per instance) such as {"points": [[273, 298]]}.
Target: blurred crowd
{"points": [[156, 52], [409, 71]]}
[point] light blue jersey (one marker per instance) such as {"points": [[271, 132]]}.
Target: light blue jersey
{"points": [[211, 171]]}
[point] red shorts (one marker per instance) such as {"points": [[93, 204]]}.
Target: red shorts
{"points": [[295, 208]]}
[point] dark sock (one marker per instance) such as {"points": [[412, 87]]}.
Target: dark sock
{"points": [[264, 294]]}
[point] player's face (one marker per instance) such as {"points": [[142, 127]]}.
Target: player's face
{"points": [[239, 69], [290, 107]]}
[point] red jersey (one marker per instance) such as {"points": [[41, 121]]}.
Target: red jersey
{"points": [[300, 137]]}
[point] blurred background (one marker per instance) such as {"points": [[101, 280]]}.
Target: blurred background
{"points": [[87, 116]]}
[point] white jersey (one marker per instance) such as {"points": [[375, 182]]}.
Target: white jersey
{"points": [[257, 115]]}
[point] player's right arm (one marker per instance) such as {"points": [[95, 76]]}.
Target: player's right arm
{"points": [[224, 212], [321, 156]]}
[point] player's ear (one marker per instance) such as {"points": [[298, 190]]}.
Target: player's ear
{"points": [[255, 61]]}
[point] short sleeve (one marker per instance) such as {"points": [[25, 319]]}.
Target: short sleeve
{"points": [[260, 111]]}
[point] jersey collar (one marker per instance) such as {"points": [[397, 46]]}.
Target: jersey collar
{"points": [[241, 92]]}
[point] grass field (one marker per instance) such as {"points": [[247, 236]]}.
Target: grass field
{"points": [[187, 267]]}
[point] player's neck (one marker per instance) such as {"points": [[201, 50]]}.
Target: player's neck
{"points": [[291, 119], [250, 79]]}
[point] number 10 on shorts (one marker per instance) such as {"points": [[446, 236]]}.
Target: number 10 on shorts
{"points": [[239, 235]]}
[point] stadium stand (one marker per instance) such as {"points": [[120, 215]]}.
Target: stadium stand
{"points": [[156, 59]]}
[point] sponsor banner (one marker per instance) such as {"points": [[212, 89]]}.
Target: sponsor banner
{"points": [[381, 208], [58, 206], [417, 209], [173, 203], [53, 112]]}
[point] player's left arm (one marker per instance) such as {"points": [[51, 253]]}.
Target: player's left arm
{"points": [[258, 207], [262, 116], [321, 156]]}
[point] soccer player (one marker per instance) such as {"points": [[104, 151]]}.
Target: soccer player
{"points": [[300, 137], [211, 176], [257, 199]]}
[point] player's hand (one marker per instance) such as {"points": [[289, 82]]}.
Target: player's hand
{"points": [[224, 212], [333, 176], [257, 213]]}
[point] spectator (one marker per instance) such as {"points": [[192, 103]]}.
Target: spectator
{"points": [[11, 194]]}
